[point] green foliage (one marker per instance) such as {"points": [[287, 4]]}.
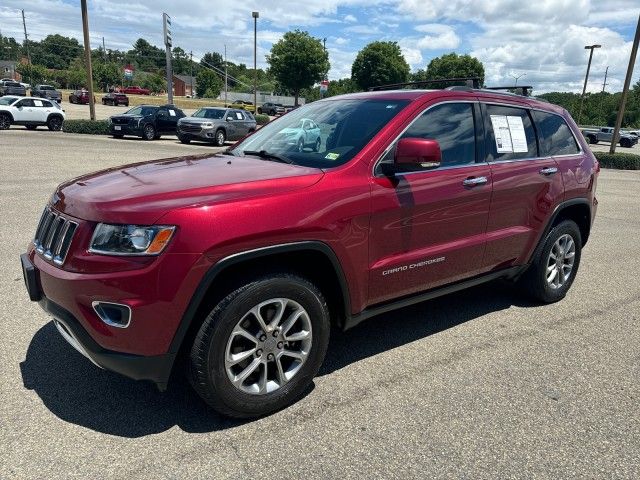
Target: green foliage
{"points": [[181, 61], [55, 51], [146, 57], [208, 83], [9, 48], [379, 63], [212, 59], [154, 82], [107, 74], [89, 127], [262, 119], [297, 61], [33, 74], [623, 161], [451, 65]]}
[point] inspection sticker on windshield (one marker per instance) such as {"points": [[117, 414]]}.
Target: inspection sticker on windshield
{"points": [[332, 156]]}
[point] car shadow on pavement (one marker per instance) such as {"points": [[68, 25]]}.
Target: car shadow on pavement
{"points": [[78, 392]]}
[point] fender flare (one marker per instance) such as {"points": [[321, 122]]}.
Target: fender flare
{"points": [[210, 276], [4, 112]]}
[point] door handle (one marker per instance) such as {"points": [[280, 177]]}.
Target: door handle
{"points": [[474, 181], [548, 171]]}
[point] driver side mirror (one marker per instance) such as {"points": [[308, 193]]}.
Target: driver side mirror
{"points": [[229, 119], [414, 154]]}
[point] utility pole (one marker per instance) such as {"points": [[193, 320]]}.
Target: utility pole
{"points": [[87, 57], [586, 78], [166, 24], [191, 71], [225, 78], [625, 90], [104, 51], [604, 84], [324, 77], [255, 16], [26, 42]]}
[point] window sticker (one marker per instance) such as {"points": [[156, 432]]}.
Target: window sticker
{"points": [[172, 113], [37, 103], [518, 137], [332, 156], [501, 133], [239, 115]]}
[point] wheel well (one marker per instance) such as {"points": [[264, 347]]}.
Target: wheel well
{"points": [[579, 213], [314, 265], [8, 114], [54, 115]]}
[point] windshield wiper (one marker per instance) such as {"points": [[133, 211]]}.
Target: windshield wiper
{"points": [[267, 156]]}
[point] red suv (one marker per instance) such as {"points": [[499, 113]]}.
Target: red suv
{"points": [[135, 90], [241, 262]]}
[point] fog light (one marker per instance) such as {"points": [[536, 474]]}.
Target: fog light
{"points": [[113, 314]]}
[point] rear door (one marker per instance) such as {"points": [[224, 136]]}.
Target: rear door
{"points": [[42, 109], [428, 226], [526, 185]]}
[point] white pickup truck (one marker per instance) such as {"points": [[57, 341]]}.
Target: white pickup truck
{"points": [[605, 134]]}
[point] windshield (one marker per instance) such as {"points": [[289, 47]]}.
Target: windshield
{"points": [[323, 134], [46, 87], [143, 111], [7, 100], [213, 113]]}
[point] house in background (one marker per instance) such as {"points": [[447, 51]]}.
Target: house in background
{"points": [[8, 70], [182, 85]]}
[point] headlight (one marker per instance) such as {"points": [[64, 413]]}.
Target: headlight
{"points": [[207, 125], [130, 239]]}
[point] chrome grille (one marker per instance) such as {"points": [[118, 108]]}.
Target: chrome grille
{"points": [[190, 127], [53, 236]]}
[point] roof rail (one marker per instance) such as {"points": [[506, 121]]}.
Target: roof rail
{"points": [[469, 82], [524, 90]]}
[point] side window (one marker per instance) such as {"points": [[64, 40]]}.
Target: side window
{"points": [[27, 102], [239, 115], [162, 112], [510, 134], [452, 125], [46, 104], [38, 103], [555, 135]]}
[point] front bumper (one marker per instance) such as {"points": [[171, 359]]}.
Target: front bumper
{"points": [[125, 129], [156, 368]]}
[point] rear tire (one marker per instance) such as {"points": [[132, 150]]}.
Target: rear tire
{"points": [[220, 138], [278, 370], [54, 124], [555, 264]]}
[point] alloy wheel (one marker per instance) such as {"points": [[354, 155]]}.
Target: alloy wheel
{"points": [[560, 261], [268, 346]]}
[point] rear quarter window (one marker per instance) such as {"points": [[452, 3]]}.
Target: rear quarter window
{"points": [[555, 136]]}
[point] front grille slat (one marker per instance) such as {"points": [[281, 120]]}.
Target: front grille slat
{"points": [[190, 128], [53, 236]]}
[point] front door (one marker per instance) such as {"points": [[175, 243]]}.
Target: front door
{"points": [[27, 111], [428, 227]]}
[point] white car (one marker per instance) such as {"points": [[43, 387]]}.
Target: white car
{"points": [[30, 112], [306, 133]]}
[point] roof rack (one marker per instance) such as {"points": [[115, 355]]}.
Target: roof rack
{"points": [[469, 82]]}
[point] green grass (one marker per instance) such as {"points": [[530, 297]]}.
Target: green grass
{"points": [[89, 127], [621, 161]]}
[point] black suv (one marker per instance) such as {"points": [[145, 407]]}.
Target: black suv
{"points": [[146, 121]]}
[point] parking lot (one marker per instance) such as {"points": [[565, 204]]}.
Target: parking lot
{"points": [[477, 384]]}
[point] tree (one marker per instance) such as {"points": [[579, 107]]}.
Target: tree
{"points": [[34, 74], [212, 60], [154, 82], [55, 51], [181, 63], [9, 48], [297, 61], [106, 74], [147, 56], [379, 63], [208, 83], [452, 65]]}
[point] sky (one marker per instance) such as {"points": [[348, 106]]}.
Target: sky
{"points": [[543, 44]]}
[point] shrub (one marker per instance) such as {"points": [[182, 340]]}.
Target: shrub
{"points": [[623, 161], [262, 119], [90, 127]]}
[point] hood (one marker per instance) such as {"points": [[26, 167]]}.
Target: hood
{"points": [[141, 193], [200, 120]]}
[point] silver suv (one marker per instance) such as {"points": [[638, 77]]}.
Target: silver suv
{"points": [[217, 125]]}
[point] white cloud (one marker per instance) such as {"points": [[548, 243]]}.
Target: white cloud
{"points": [[350, 18], [439, 37], [341, 41]]}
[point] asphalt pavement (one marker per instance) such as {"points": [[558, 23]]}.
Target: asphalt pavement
{"points": [[477, 384]]}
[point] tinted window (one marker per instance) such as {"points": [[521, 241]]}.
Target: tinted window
{"points": [[452, 125], [510, 134], [144, 111], [27, 102], [555, 135], [46, 103], [7, 100], [213, 113]]}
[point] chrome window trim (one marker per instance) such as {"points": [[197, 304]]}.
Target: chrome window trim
{"points": [[393, 142]]}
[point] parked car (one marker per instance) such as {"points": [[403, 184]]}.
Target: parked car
{"points": [[146, 121], [271, 109], [216, 125], [80, 96], [605, 134], [46, 91], [135, 90], [244, 105], [9, 87], [289, 108], [115, 98], [240, 263], [30, 112], [304, 134]]}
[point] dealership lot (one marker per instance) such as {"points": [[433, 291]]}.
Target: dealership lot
{"points": [[478, 384]]}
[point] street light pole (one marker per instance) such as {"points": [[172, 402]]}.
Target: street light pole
{"points": [[87, 58], [586, 78], [517, 77], [255, 16]]}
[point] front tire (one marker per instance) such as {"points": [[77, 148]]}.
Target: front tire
{"points": [[149, 132], [220, 138], [555, 265], [260, 347]]}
